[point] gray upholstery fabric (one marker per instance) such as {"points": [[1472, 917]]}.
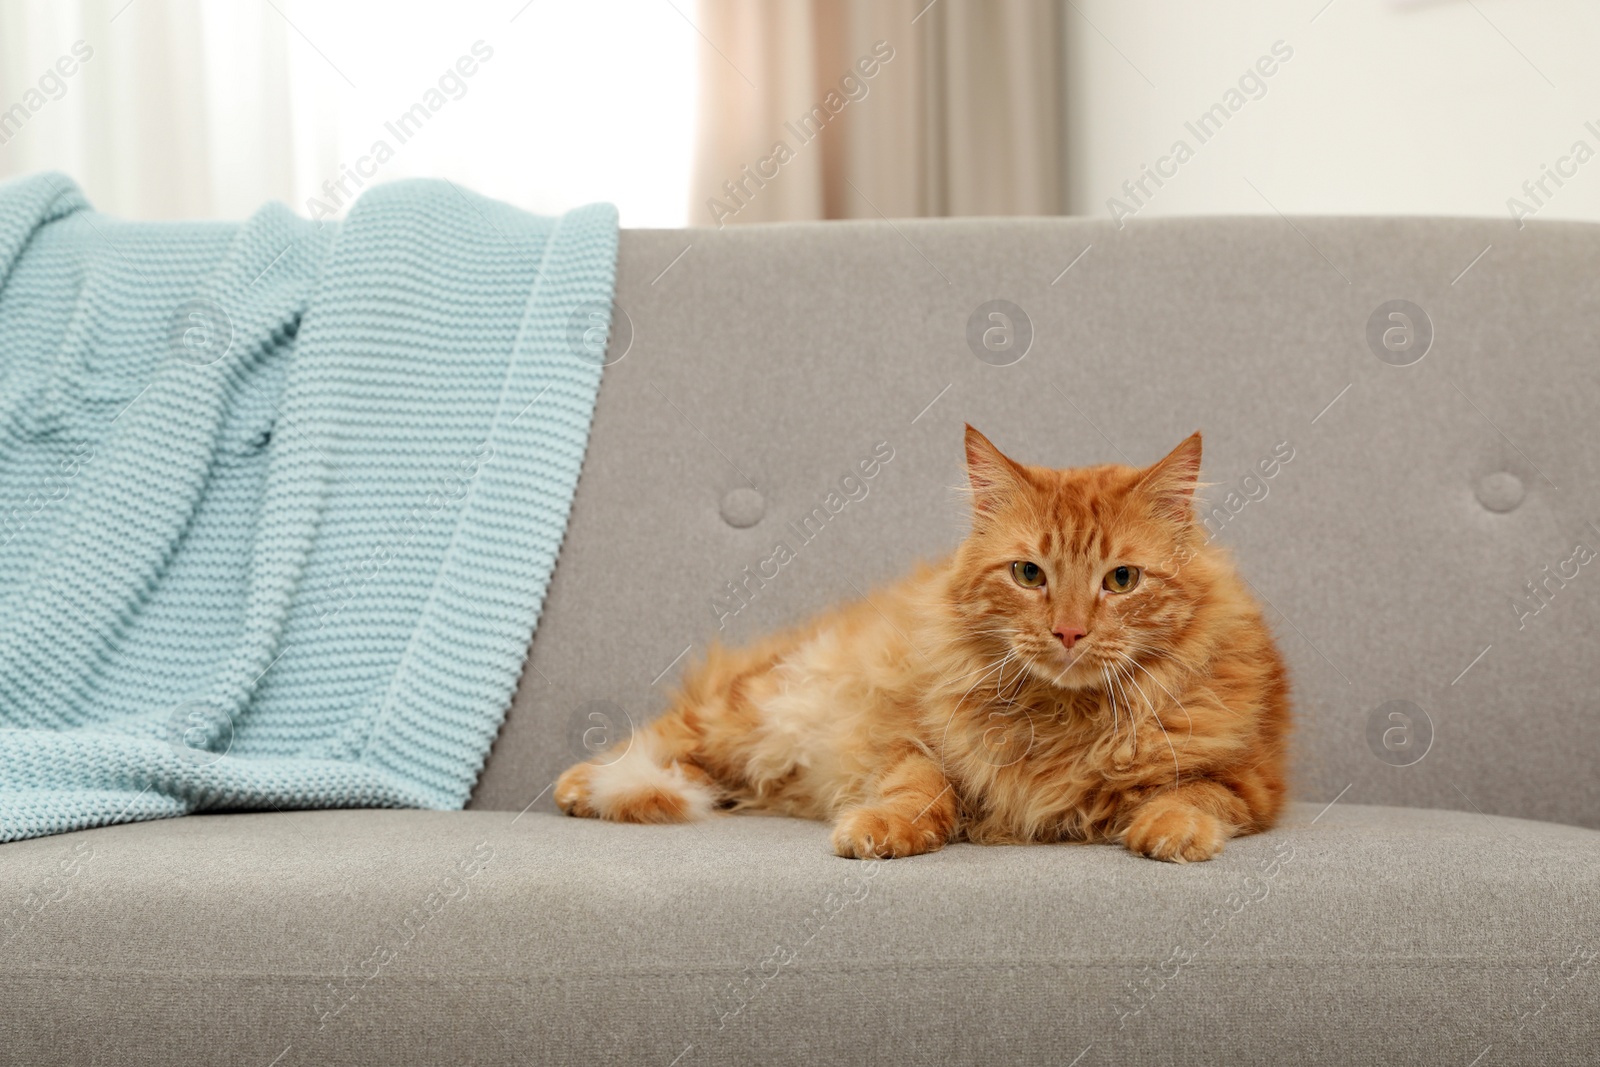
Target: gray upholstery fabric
{"points": [[1368, 935], [782, 354], [764, 365]]}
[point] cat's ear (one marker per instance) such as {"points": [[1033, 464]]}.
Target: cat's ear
{"points": [[1170, 484], [994, 477]]}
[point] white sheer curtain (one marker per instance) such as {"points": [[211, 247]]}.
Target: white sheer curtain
{"points": [[206, 108]]}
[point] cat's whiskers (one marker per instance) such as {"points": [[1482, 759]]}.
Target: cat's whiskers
{"points": [[1116, 668], [1116, 721], [983, 671], [1177, 771], [1164, 689], [1133, 681], [1008, 630], [1059, 675], [1001, 685], [1127, 701], [1000, 680], [984, 665], [1022, 679], [1000, 665]]}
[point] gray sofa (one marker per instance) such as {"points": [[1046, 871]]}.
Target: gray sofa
{"points": [[1433, 897]]}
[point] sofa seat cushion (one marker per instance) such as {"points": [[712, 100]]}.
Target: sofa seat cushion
{"points": [[1351, 934]]}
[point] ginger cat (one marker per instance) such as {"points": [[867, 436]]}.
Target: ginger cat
{"points": [[1084, 667]]}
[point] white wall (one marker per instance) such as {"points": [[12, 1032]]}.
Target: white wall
{"points": [[1442, 108]]}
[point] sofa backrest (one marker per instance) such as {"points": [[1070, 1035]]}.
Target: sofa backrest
{"points": [[1424, 392]]}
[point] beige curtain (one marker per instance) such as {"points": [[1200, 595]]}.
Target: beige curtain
{"points": [[823, 109]]}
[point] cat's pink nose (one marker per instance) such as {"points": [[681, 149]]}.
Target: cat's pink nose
{"points": [[1069, 634]]}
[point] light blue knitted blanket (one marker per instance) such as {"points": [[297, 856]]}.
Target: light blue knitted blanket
{"points": [[279, 501]]}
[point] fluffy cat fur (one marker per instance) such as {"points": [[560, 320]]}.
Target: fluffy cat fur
{"points": [[962, 703]]}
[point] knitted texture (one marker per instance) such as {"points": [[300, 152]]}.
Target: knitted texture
{"points": [[279, 501]]}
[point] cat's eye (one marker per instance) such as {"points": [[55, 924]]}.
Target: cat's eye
{"points": [[1027, 574], [1121, 579]]}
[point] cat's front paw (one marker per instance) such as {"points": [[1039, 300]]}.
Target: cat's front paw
{"points": [[877, 833], [573, 794], [1175, 831]]}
